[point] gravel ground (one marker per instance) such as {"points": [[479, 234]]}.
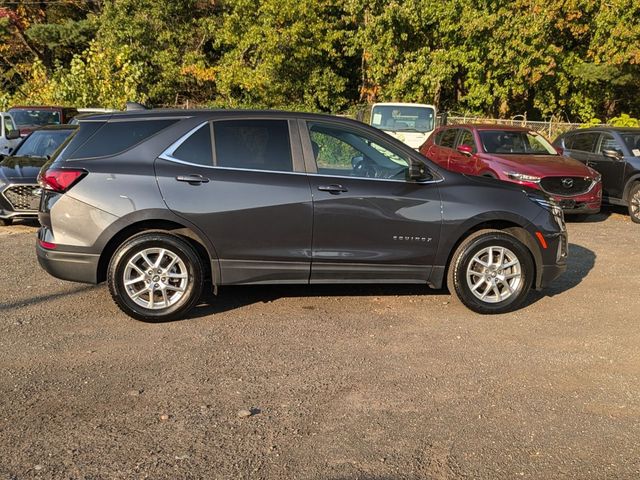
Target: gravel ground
{"points": [[345, 382]]}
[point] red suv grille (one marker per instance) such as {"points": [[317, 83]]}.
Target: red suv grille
{"points": [[566, 186]]}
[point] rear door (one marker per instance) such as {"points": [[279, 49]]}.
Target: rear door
{"points": [[459, 162], [370, 223], [248, 192]]}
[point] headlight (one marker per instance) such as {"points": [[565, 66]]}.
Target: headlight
{"points": [[521, 177], [552, 206]]}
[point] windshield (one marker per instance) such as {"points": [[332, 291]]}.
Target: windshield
{"points": [[508, 141], [35, 117], [403, 118], [633, 142], [42, 143]]}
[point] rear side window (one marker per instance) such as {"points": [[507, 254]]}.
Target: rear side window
{"points": [[448, 137], [116, 137], [197, 148], [253, 144], [584, 142]]}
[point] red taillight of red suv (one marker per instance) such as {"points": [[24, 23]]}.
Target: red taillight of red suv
{"points": [[60, 179]]}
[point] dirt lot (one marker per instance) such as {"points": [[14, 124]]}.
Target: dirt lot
{"points": [[344, 382]]}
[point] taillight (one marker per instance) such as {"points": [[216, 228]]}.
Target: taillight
{"points": [[60, 179]]}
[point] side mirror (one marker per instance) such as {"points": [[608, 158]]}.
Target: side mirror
{"points": [[13, 135], [465, 150], [418, 171], [560, 150], [613, 154]]}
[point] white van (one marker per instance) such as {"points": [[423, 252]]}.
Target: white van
{"points": [[9, 134], [411, 123]]}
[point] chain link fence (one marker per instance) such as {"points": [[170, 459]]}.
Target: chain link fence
{"points": [[550, 129]]}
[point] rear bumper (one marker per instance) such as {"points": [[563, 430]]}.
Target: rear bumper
{"points": [[73, 266]]}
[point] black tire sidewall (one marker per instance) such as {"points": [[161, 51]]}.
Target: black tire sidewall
{"points": [[462, 260], [177, 246], [634, 191]]}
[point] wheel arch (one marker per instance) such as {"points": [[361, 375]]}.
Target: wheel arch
{"points": [[127, 227], [512, 226], [635, 178]]}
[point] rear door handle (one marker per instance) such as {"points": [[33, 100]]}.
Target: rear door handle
{"points": [[192, 179], [334, 188]]}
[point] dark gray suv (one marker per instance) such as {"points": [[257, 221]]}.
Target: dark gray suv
{"points": [[160, 203], [615, 154]]}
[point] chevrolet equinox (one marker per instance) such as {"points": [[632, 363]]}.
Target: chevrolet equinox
{"points": [[160, 203]]}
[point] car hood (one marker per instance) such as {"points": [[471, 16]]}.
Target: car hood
{"points": [[21, 168], [543, 165]]}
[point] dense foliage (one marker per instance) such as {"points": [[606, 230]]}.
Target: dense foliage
{"points": [[572, 59]]}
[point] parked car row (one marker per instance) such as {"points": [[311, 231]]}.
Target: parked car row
{"points": [[580, 170]]}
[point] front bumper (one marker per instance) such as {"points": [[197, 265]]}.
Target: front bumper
{"points": [[73, 266], [586, 203], [18, 201]]}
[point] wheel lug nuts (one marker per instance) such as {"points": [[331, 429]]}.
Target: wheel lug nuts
{"points": [[156, 285]]}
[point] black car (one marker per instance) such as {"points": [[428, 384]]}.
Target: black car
{"points": [[615, 154], [160, 203], [19, 189]]}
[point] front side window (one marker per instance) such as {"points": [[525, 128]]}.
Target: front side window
{"points": [[466, 138], [8, 124], [583, 142], [448, 137], [253, 144], [514, 141], [42, 143], [347, 153], [609, 143]]}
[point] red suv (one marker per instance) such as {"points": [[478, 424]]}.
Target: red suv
{"points": [[30, 118], [516, 155]]}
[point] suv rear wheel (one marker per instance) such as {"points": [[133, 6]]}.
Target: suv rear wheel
{"points": [[634, 203], [155, 277], [491, 272]]}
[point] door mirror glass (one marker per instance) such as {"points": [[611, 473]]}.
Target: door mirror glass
{"points": [[13, 134], [465, 149], [613, 154]]}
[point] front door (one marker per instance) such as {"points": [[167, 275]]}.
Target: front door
{"points": [[369, 223], [460, 162], [611, 169], [248, 193]]}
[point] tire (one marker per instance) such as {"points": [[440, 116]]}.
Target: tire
{"points": [[634, 203], [5, 222], [466, 270], [176, 282]]}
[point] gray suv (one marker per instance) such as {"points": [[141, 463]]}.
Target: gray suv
{"points": [[161, 203]]}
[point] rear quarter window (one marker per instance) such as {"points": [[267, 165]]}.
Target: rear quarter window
{"points": [[116, 137]]}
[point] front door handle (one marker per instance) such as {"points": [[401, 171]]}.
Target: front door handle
{"points": [[333, 188], [192, 179]]}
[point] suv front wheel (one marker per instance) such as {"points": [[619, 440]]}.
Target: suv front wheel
{"points": [[155, 277], [491, 272]]}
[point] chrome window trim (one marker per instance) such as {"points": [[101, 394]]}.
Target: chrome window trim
{"points": [[168, 152], [351, 177]]}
